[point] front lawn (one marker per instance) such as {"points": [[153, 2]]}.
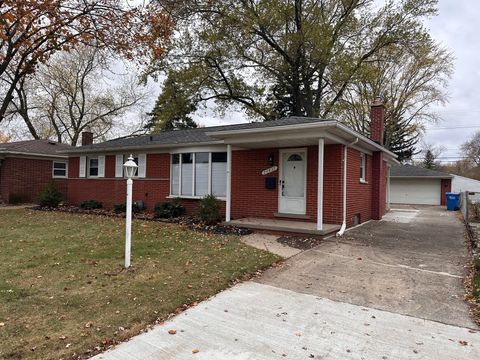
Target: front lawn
{"points": [[63, 291]]}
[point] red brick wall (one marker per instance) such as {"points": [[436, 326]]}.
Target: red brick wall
{"points": [[111, 191], [359, 195], [24, 179], [446, 185], [250, 198]]}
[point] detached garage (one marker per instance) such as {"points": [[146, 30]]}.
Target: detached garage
{"points": [[415, 185]]}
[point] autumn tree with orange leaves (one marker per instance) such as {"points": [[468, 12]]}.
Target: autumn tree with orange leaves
{"points": [[33, 30]]}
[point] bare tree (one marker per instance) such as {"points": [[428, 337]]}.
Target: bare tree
{"points": [[471, 149], [73, 92]]}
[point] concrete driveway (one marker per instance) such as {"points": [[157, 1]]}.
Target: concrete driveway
{"points": [[388, 290], [411, 263]]}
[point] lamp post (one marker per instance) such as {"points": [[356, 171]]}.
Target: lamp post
{"points": [[130, 167]]}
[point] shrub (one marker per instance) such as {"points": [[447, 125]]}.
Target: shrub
{"points": [[121, 208], [91, 204], [168, 210], [209, 210], [50, 196]]}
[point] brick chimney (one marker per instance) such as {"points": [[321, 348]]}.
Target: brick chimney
{"points": [[379, 168], [87, 138], [377, 121]]}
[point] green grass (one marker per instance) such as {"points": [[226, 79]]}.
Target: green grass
{"points": [[63, 291]]}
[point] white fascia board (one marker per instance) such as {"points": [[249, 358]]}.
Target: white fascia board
{"points": [[153, 148]]}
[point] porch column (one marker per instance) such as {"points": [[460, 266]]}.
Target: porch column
{"points": [[228, 203], [321, 144]]}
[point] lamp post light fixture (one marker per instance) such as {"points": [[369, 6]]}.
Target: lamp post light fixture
{"points": [[130, 167]]}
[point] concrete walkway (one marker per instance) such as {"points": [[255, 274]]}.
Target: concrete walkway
{"points": [[269, 243], [257, 322], [387, 290]]}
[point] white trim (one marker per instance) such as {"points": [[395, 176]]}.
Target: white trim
{"points": [[196, 197], [119, 165], [194, 149], [31, 155], [82, 167], [228, 205], [88, 166], [321, 145], [280, 173], [101, 166], [53, 169], [363, 167], [142, 165], [209, 181]]}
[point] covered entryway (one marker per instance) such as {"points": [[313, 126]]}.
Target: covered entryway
{"points": [[293, 182], [415, 191]]}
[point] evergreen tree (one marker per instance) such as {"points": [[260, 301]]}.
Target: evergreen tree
{"points": [[429, 160]]}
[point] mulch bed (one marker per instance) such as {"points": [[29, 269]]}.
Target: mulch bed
{"points": [[298, 242], [188, 221]]}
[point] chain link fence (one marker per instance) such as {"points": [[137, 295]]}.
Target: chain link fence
{"points": [[470, 208]]}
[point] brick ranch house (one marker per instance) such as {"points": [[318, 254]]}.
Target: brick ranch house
{"points": [[316, 174], [27, 166]]}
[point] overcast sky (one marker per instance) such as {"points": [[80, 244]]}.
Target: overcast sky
{"points": [[457, 28]]}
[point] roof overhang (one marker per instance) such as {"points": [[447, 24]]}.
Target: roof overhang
{"points": [[300, 135], [6, 153], [153, 147], [446, 176]]}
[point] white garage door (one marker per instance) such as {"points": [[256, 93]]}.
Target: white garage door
{"points": [[415, 191]]}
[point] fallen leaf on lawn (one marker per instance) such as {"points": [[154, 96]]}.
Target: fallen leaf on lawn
{"points": [[68, 345], [194, 351], [63, 337], [117, 312], [89, 324], [62, 317], [172, 331], [2, 324], [189, 286]]}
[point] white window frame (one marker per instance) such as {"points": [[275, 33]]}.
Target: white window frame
{"points": [[53, 169], [88, 166], [363, 167], [179, 195]]}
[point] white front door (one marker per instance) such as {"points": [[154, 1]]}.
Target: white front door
{"points": [[293, 181]]}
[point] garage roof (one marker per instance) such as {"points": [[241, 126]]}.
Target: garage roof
{"points": [[410, 171]]}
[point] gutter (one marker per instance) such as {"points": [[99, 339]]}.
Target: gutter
{"points": [[344, 200], [84, 149], [4, 153]]}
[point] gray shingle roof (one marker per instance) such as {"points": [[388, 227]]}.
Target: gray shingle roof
{"points": [[191, 136], [41, 147], [416, 172]]}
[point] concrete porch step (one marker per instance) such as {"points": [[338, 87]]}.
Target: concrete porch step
{"points": [[284, 226]]}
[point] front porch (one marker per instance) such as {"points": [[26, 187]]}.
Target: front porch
{"points": [[284, 226]]}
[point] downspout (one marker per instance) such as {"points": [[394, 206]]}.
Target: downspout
{"points": [[344, 200]]}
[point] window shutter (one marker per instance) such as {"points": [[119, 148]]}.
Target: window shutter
{"points": [[82, 171], [142, 165], [119, 166], [101, 166]]}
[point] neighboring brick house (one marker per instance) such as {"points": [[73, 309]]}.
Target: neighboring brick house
{"points": [[296, 168], [27, 166]]}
